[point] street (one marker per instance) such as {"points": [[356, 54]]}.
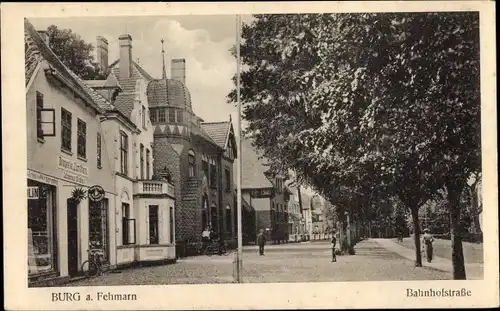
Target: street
{"points": [[304, 262]]}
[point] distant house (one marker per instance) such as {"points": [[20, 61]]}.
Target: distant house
{"points": [[266, 193]]}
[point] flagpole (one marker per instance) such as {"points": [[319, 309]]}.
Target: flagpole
{"points": [[239, 258]]}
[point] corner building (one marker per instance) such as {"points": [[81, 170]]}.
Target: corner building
{"points": [[198, 156]]}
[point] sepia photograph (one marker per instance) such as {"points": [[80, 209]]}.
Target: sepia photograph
{"points": [[260, 148]]}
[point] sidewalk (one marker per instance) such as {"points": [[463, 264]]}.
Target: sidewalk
{"points": [[474, 271]]}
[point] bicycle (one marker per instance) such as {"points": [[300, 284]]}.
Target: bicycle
{"points": [[92, 267], [216, 248]]}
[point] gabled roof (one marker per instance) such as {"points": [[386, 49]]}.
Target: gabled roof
{"points": [[221, 133], [125, 101], [37, 50], [253, 171]]}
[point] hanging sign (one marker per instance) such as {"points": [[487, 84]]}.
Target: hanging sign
{"points": [[96, 193], [33, 193]]}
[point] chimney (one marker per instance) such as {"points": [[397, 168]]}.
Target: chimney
{"points": [[44, 35], [178, 68], [102, 53], [125, 56]]}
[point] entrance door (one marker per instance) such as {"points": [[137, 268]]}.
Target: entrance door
{"points": [[72, 238]]}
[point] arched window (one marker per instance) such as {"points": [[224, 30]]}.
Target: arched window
{"points": [[192, 161]]}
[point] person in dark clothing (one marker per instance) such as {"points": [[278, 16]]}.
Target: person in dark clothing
{"points": [[427, 240], [261, 240], [334, 242]]}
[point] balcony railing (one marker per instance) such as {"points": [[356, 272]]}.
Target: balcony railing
{"points": [[154, 187]]}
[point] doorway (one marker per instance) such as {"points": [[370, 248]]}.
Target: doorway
{"points": [[72, 238]]}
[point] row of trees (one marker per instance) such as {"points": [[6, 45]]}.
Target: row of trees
{"points": [[368, 108]]}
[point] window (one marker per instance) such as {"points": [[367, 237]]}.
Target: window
{"points": [[39, 107], [191, 160], [161, 115], [82, 139], [65, 130], [205, 168], [148, 163], [153, 224], [213, 174], [171, 225], [141, 150], [123, 153], [143, 116], [98, 226], [179, 116], [41, 229], [171, 115], [228, 219], [99, 150], [128, 226], [153, 115], [228, 179]]}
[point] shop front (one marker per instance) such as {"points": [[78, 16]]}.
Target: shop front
{"points": [[42, 231]]}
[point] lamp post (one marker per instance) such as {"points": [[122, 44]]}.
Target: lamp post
{"points": [[239, 254]]}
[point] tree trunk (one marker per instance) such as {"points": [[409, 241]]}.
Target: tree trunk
{"points": [[457, 253], [416, 236]]}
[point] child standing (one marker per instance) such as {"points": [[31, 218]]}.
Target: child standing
{"points": [[334, 242]]}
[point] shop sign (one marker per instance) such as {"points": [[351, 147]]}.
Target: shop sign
{"points": [[42, 178], [96, 193], [71, 166], [33, 193]]}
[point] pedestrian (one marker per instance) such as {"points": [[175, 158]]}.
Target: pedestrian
{"points": [[333, 243], [427, 240], [205, 237], [261, 240]]}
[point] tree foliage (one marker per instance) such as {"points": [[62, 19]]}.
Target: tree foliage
{"points": [[366, 105], [75, 53]]}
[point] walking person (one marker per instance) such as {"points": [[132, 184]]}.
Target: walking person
{"points": [[427, 240], [333, 243], [261, 240]]}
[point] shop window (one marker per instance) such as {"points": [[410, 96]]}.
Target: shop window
{"points": [[191, 160], [41, 228], [148, 163], [171, 225], [161, 115], [228, 179], [141, 150], [123, 153], [99, 151], [98, 226], [82, 139], [153, 225], [128, 226], [65, 130]]}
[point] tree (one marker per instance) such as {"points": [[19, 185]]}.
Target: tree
{"points": [[75, 53], [387, 100]]}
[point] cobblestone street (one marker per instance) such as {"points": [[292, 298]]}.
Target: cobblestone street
{"points": [[305, 262]]}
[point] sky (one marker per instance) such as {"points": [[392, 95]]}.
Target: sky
{"points": [[204, 41]]}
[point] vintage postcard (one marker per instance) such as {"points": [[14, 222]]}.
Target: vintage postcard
{"points": [[333, 155]]}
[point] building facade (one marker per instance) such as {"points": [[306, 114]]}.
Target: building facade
{"points": [[64, 161], [145, 203], [267, 194], [295, 219]]}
